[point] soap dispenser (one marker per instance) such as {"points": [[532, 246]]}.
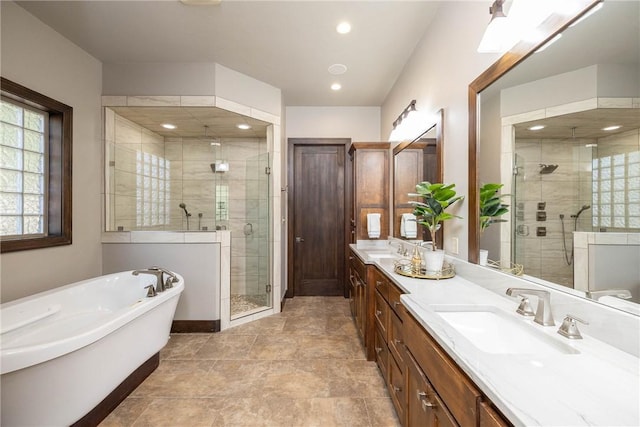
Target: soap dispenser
{"points": [[416, 261]]}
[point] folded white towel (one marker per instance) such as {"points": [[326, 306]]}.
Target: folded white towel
{"points": [[373, 225], [408, 226]]}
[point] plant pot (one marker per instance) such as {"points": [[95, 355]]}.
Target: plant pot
{"points": [[484, 256], [433, 260]]}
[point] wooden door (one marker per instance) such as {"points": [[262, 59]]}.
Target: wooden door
{"points": [[317, 246]]}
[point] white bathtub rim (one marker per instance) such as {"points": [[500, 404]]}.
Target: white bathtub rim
{"points": [[13, 359]]}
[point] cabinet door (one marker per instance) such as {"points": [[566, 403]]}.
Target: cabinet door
{"points": [[489, 417], [381, 314], [382, 355], [424, 406], [397, 389], [394, 338]]}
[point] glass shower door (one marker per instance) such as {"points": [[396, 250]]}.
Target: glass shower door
{"points": [[251, 277]]}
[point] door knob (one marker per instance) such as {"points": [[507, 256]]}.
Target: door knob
{"points": [[299, 240]]}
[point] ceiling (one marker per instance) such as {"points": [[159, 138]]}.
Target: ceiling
{"points": [[190, 122], [588, 124], [288, 44]]}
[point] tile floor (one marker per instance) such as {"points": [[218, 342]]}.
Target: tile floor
{"points": [[302, 367]]}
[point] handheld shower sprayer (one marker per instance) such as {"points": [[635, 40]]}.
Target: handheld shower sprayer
{"points": [[582, 209], [186, 213]]}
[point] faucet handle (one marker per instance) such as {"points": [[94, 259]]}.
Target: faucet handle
{"points": [[151, 292], [525, 308], [569, 328]]}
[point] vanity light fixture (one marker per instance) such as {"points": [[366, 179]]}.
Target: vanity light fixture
{"points": [[537, 127], [492, 39], [343, 28], [610, 128], [168, 126], [403, 126], [243, 126], [336, 86]]}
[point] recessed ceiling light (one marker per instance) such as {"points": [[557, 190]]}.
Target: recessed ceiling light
{"points": [[536, 127], [336, 86], [343, 28], [168, 126], [337, 69], [609, 128], [243, 126]]}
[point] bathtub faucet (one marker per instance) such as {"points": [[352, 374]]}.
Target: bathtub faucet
{"points": [[171, 279], [158, 273]]}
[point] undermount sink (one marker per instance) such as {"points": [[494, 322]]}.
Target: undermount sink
{"points": [[378, 255], [492, 331]]}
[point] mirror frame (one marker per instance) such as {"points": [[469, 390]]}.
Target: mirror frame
{"points": [[554, 25], [438, 124]]}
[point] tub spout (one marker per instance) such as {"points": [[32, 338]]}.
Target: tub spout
{"points": [[170, 280]]}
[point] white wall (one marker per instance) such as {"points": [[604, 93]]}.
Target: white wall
{"points": [[437, 76], [39, 58], [361, 124]]}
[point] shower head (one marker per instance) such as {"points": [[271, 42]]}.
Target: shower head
{"points": [[582, 209], [547, 169], [184, 208]]}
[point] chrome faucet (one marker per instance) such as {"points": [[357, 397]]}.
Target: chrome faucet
{"points": [[619, 293], [157, 273], [401, 249], [543, 316]]}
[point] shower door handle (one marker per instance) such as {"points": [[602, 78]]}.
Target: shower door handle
{"points": [[299, 239]]}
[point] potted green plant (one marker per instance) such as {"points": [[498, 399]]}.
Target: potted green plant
{"points": [[430, 212], [491, 209]]}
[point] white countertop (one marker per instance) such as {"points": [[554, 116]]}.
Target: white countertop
{"points": [[597, 386]]}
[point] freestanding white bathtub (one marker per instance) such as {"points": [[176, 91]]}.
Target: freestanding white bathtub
{"points": [[63, 351]]}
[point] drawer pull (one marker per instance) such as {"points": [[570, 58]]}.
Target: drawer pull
{"points": [[396, 389], [424, 401], [396, 303], [378, 283], [397, 341], [378, 312], [378, 350]]}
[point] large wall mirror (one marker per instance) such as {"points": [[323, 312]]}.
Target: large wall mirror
{"points": [[560, 128], [413, 162]]}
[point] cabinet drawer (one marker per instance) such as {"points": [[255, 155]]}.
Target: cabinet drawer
{"points": [[394, 299], [454, 388], [382, 355], [381, 283], [424, 407], [489, 417], [394, 337], [397, 389], [381, 313]]}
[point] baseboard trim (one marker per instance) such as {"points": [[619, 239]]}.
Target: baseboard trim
{"points": [[111, 402], [194, 326]]}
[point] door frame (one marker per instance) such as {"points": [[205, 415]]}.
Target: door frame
{"points": [[291, 144]]}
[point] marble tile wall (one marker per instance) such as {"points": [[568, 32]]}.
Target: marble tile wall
{"points": [[237, 200], [564, 191]]}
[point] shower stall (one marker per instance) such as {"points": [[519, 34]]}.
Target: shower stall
{"points": [[566, 185], [189, 181]]}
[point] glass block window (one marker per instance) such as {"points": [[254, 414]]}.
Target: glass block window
{"points": [[616, 190], [23, 170], [222, 202], [153, 190]]}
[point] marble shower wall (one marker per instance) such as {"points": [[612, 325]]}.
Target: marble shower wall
{"points": [[150, 175], [564, 191], [613, 192]]}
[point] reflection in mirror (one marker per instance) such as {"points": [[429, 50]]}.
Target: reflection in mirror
{"points": [[413, 162], [561, 131]]}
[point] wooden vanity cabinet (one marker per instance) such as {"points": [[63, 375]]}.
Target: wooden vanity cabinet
{"points": [[358, 294], [370, 187], [455, 398], [388, 315]]}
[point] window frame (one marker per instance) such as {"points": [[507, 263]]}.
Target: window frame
{"points": [[59, 190]]}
